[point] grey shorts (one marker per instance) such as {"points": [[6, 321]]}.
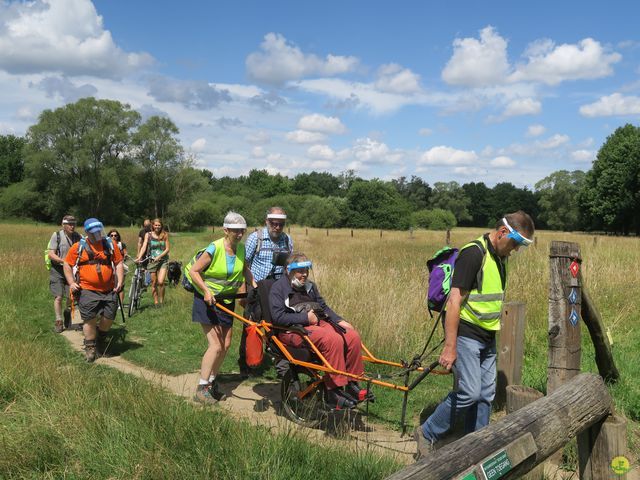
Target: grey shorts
{"points": [[58, 283], [93, 304]]}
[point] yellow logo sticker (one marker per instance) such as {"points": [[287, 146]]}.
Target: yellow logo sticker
{"points": [[620, 465]]}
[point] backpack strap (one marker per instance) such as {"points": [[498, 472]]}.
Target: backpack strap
{"points": [[480, 274]]}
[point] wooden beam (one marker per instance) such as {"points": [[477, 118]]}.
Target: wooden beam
{"points": [[593, 321], [552, 421]]}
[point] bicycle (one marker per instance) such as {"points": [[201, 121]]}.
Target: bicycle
{"points": [[137, 286]]}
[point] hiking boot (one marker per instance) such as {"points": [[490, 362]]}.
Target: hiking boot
{"points": [[424, 446], [59, 328], [215, 392], [337, 400], [90, 353], [203, 395], [358, 394]]}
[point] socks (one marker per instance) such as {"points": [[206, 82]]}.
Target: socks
{"points": [[203, 382]]}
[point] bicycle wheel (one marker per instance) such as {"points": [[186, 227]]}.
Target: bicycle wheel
{"points": [[134, 293], [302, 394]]}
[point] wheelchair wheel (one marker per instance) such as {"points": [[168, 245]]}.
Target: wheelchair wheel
{"points": [[307, 410]]}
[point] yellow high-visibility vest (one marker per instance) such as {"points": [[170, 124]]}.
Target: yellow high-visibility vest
{"points": [[484, 304], [216, 276]]}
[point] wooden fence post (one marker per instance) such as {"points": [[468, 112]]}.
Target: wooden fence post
{"points": [[565, 297], [447, 238], [352, 233], [380, 233], [603, 442], [510, 349], [306, 232]]}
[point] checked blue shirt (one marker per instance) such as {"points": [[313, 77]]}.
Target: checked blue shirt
{"points": [[260, 264]]}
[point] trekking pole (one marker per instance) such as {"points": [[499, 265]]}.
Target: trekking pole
{"points": [[121, 307]]}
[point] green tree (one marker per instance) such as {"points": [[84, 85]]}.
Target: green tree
{"points": [[450, 196], [376, 204], [610, 197], [322, 184], [321, 212], [480, 202], [415, 191], [558, 199], [506, 197], [158, 151], [77, 155], [11, 159], [266, 185], [436, 219]]}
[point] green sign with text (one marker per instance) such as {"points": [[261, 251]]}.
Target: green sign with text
{"points": [[497, 466], [469, 476]]}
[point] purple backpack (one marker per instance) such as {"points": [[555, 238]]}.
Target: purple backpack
{"points": [[440, 268]]}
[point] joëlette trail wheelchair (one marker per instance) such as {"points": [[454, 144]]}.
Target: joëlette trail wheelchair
{"points": [[301, 370]]}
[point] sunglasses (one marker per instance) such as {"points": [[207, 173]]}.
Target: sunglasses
{"points": [[276, 224], [114, 235]]}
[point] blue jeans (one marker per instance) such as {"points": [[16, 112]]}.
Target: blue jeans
{"points": [[476, 364]]}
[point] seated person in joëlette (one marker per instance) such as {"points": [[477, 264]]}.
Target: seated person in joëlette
{"points": [[295, 300]]}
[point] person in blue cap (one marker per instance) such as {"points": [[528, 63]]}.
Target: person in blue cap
{"points": [[471, 321], [98, 277]]}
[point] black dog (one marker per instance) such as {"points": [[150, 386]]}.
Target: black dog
{"points": [[174, 272]]}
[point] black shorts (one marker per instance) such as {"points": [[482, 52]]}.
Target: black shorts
{"points": [[206, 315], [93, 304]]}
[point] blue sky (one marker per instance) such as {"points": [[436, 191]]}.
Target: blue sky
{"points": [[466, 91]]}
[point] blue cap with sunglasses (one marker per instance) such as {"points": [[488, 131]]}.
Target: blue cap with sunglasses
{"points": [[516, 235]]}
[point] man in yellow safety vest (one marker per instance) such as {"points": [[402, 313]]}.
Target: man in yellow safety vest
{"points": [[472, 319]]}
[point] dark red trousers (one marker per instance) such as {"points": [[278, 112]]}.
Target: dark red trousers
{"points": [[332, 346]]}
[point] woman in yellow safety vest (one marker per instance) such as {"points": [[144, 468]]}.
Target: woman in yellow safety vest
{"points": [[217, 275]]}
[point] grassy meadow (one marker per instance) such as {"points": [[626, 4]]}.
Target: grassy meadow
{"points": [[87, 421]]}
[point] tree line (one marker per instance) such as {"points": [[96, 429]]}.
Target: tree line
{"points": [[99, 158]]}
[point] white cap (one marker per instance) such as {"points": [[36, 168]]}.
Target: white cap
{"points": [[277, 216], [234, 225]]}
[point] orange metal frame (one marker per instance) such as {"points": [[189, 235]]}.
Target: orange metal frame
{"points": [[264, 328]]}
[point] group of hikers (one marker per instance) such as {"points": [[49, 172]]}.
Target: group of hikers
{"points": [[91, 267]]}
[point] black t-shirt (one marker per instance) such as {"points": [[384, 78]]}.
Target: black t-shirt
{"points": [[465, 277], [143, 232]]}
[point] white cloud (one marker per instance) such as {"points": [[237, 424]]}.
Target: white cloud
{"points": [[553, 142], [258, 138], [279, 61], [470, 171], [583, 155], [321, 152], [61, 36], [535, 130], [522, 106], [25, 114], [502, 162], [368, 150], [425, 132], [477, 63], [304, 136], [198, 145], [367, 94], [193, 94], [611, 105], [320, 123], [442, 155], [258, 152], [393, 78], [552, 64]]}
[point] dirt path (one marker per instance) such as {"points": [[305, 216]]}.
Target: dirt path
{"points": [[241, 402]]}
